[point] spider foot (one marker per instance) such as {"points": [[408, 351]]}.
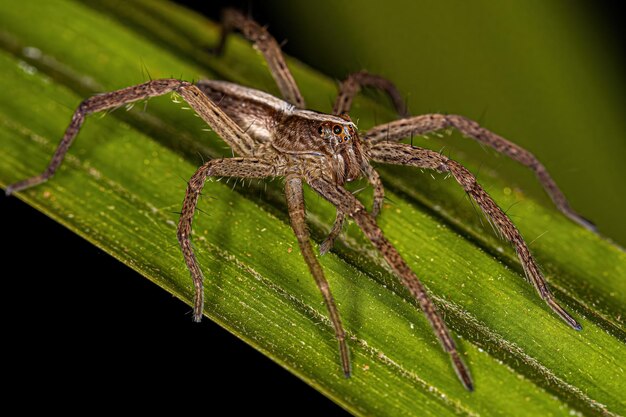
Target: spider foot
{"points": [[564, 315], [462, 372], [326, 245], [345, 358], [24, 184]]}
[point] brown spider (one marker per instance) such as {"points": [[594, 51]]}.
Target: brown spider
{"points": [[277, 138]]}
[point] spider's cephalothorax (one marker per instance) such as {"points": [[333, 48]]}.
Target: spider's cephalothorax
{"points": [[348, 158], [317, 143], [328, 145], [277, 138]]}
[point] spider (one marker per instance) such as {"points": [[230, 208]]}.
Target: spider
{"points": [[276, 137]]}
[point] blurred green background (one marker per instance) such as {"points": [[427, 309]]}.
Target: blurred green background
{"points": [[544, 74]]}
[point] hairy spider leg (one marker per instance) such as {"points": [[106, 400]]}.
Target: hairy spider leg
{"points": [[348, 89], [230, 167], [403, 154], [347, 203], [297, 214], [424, 124], [353, 84], [235, 20]]}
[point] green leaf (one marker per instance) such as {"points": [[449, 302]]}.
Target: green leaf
{"points": [[121, 184]]}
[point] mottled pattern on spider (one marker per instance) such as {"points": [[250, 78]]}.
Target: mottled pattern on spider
{"points": [[278, 138]]}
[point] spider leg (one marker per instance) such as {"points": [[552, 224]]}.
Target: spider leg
{"points": [[236, 138], [403, 154], [421, 125], [295, 203], [334, 233], [347, 203], [348, 89], [263, 41], [228, 130], [352, 85], [231, 167], [379, 198]]}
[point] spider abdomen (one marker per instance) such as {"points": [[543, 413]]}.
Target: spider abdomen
{"points": [[254, 111]]}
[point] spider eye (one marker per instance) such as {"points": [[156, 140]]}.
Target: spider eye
{"points": [[337, 129], [320, 130]]}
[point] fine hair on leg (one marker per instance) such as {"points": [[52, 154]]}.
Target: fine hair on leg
{"points": [[297, 214], [231, 167], [236, 138], [235, 20], [424, 124], [347, 203], [403, 154], [348, 89]]}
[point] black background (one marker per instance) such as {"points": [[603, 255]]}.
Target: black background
{"points": [[75, 319], [79, 324]]}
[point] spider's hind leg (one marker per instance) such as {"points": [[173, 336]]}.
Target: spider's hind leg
{"points": [[263, 41], [93, 105]]}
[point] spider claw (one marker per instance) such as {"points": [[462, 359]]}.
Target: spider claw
{"points": [[345, 358], [197, 317], [325, 246], [564, 315], [462, 372]]}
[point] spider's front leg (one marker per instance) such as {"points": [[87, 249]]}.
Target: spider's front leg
{"points": [[379, 196], [232, 167], [297, 214], [347, 203], [424, 124], [403, 154], [348, 89]]}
